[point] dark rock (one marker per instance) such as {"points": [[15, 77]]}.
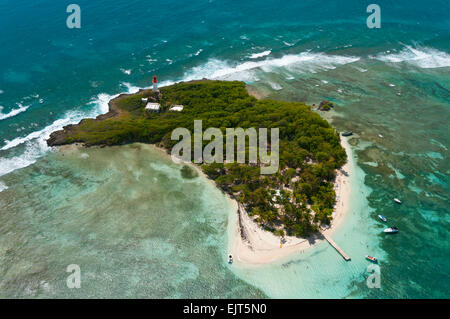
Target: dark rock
{"points": [[325, 105]]}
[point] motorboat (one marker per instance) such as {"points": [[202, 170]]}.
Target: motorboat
{"points": [[230, 258], [382, 217], [349, 133], [372, 259], [398, 201], [391, 230]]}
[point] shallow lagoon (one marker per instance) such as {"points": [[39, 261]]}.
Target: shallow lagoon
{"points": [[126, 216]]}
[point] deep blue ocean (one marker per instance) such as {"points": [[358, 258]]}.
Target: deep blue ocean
{"points": [[392, 81]]}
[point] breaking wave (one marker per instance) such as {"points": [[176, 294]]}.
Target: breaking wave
{"points": [[2, 187], [425, 57], [305, 62], [13, 112], [260, 55], [35, 144]]}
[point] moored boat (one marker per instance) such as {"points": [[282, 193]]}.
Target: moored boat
{"points": [[398, 201], [230, 259], [349, 133], [372, 259], [391, 230], [382, 217]]}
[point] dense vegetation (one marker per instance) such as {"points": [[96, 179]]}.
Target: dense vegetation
{"points": [[296, 200]]}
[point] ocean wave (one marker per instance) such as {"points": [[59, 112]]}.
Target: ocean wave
{"points": [[8, 165], [130, 88], [35, 143], [303, 62], [13, 112], [425, 57], [2, 187], [275, 86], [44, 133], [288, 44], [260, 55], [362, 70]]}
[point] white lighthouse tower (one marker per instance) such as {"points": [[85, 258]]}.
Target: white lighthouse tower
{"points": [[155, 84]]}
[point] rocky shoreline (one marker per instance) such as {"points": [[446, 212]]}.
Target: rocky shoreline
{"points": [[58, 138]]}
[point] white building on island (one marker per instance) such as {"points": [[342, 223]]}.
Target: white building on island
{"points": [[153, 107]]}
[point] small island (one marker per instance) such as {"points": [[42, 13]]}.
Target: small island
{"points": [[296, 201]]}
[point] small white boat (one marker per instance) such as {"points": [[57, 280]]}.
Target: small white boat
{"points": [[398, 201], [391, 230], [230, 258], [382, 217], [380, 136]]}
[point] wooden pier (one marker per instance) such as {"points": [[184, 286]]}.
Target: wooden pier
{"points": [[335, 246]]}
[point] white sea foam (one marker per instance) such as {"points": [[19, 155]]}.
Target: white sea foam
{"points": [[35, 144], [2, 187], [44, 133], [423, 57], [130, 88], [8, 165], [305, 62], [275, 86], [13, 112], [260, 55], [102, 103], [362, 70]]}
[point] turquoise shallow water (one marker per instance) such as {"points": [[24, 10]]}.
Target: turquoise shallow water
{"points": [[126, 216], [394, 81], [320, 272], [399, 113]]}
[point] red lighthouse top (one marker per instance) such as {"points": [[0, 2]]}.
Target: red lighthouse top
{"points": [[155, 80]]}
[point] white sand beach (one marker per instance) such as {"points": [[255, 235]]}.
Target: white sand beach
{"points": [[250, 244]]}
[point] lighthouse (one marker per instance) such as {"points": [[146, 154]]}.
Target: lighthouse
{"points": [[155, 84]]}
